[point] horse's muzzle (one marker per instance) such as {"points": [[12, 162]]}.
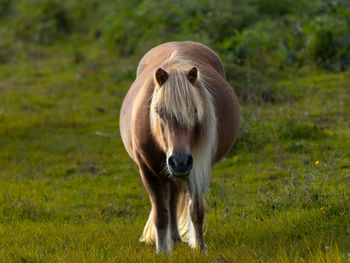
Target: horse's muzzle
{"points": [[180, 165]]}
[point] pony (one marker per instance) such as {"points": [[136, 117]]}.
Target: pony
{"points": [[179, 117]]}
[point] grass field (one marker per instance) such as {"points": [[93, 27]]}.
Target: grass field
{"points": [[70, 193]]}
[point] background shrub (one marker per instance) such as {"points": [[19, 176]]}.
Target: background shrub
{"points": [[257, 39], [40, 21], [329, 39]]}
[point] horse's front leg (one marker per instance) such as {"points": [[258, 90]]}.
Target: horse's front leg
{"points": [[163, 242], [197, 211], [158, 190], [176, 195]]}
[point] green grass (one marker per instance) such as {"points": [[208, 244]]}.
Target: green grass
{"points": [[70, 193]]}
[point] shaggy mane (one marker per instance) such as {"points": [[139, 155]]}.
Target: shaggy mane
{"points": [[190, 105]]}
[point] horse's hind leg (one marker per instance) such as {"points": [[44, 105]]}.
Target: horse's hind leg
{"points": [[197, 211], [176, 190], [159, 196]]}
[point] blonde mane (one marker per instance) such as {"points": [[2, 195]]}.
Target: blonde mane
{"points": [[189, 105]]}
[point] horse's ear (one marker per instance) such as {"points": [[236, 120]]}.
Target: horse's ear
{"points": [[192, 75], [161, 76]]}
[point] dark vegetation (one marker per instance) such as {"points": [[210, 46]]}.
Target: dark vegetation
{"points": [[260, 38]]}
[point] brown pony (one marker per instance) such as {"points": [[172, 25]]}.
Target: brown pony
{"points": [[179, 117]]}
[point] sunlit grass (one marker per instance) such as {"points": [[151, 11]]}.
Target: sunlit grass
{"points": [[70, 193]]}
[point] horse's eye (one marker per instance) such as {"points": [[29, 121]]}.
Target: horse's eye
{"points": [[159, 112], [195, 112]]}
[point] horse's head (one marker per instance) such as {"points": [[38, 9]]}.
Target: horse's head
{"points": [[176, 113]]}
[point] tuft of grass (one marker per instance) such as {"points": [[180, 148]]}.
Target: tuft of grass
{"points": [[292, 130]]}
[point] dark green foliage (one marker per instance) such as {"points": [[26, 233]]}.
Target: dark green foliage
{"points": [[140, 25], [277, 8], [41, 21], [252, 86], [4, 8], [329, 39], [258, 40]]}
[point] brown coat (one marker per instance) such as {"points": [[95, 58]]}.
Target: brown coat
{"points": [[170, 207], [134, 117]]}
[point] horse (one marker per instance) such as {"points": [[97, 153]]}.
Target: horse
{"points": [[179, 117]]}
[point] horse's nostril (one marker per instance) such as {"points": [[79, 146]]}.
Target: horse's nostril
{"points": [[171, 161], [189, 161], [180, 164]]}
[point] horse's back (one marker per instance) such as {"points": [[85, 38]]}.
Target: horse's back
{"points": [[196, 52]]}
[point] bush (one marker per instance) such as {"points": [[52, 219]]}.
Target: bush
{"points": [[253, 87], [255, 57], [136, 26], [329, 39], [4, 8], [262, 35], [267, 46], [40, 21], [277, 8]]}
